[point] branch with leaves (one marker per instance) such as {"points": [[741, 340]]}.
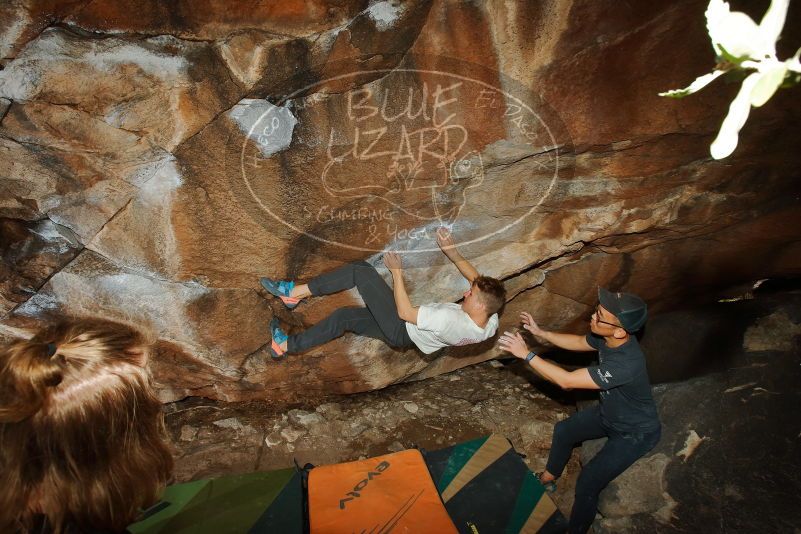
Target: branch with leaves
{"points": [[742, 45]]}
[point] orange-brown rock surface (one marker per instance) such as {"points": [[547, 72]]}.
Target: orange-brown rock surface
{"points": [[156, 158]]}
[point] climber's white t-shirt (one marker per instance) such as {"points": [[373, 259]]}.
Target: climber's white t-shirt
{"points": [[447, 325]]}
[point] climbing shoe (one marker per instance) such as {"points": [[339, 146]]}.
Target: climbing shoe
{"points": [[279, 336], [281, 289]]}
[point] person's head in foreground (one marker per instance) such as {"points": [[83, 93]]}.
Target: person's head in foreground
{"points": [[82, 437], [486, 295], [618, 315]]}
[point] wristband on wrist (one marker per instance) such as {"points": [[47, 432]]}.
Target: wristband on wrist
{"points": [[530, 356]]}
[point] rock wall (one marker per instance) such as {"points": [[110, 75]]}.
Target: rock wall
{"points": [[156, 161]]}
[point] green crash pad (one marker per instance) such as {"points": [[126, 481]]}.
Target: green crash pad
{"points": [[256, 502]]}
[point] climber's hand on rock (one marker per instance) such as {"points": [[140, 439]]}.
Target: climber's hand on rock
{"points": [[392, 261], [514, 343], [530, 325], [444, 239]]}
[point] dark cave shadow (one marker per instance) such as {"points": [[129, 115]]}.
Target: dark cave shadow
{"points": [[475, 349], [564, 358], [688, 343]]}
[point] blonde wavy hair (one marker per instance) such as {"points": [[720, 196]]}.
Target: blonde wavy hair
{"points": [[82, 436]]}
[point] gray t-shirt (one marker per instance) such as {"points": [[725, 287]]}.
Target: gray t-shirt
{"points": [[627, 404]]}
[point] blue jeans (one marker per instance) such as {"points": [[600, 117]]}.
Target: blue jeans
{"points": [[620, 451], [378, 319]]}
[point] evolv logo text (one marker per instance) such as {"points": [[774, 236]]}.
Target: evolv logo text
{"points": [[356, 493]]}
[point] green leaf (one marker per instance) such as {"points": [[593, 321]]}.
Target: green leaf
{"points": [[737, 36], [726, 141], [768, 83], [698, 84], [730, 58], [791, 80], [773, 20]]}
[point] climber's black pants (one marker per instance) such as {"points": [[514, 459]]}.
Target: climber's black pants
{"points": [[620, 451], [379, 319]]}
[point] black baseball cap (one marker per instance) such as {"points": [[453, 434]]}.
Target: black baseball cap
{"points": [[630, 310]]}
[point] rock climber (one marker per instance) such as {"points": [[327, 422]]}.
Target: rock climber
{"points": [[388, 314]]}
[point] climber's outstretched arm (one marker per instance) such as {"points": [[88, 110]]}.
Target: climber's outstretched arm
{"points": [[406, 311], [446, 244]]}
